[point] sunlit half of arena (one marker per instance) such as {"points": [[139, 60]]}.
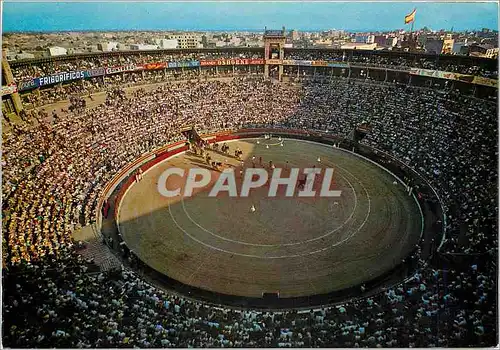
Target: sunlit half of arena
{"points": [[95, 256]]}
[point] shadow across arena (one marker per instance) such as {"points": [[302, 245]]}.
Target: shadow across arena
{"points": [[431, 235]]}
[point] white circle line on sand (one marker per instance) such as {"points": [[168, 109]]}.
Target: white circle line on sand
{"points": [[284, 256], [296, 255], [270, 144], [278, 256], [282, 244]]}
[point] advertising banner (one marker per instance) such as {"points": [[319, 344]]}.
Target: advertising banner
{"points": [[193, 63], [400, 69], [154, 66], [204, 63], [257, 61], [183, 64], [231, 62], [303, 63], [274, 61], [445, 75], [466, 78], [319, 63], [485, 81], [97, 72], [9, 89], [242, 61], [237, 62], [338, 65], [429, 73], [27, 85], [61, 77], [119, 69]]}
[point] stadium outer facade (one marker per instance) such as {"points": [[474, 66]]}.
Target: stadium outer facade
{"points": [[313, 70]]}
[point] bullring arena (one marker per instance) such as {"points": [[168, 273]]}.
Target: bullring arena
{"points": [[292, 246], [94, 256]]}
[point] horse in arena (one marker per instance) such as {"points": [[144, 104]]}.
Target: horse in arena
{"points": [[301, 183], [58, 174]]}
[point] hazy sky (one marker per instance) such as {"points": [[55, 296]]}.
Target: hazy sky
{"points": [[60, 16]]}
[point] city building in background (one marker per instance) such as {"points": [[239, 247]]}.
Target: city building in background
{"points": [[483, 43], [188, 40], [167, 43], [56, 51], [138, 47], [109, 46]]}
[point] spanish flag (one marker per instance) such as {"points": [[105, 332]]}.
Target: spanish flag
{"points": [[411, 17]]}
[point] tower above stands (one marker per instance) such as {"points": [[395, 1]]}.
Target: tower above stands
{"points": [[270, 33], [274, 48]]}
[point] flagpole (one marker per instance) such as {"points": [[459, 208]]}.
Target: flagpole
{"points": [[414, 46]]}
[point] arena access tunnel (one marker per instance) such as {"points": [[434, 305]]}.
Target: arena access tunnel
{"points": [[431, 234]]}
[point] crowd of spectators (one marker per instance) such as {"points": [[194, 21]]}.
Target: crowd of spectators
{"points": [[28, 71], [54, 94], [68, 307], [55, 168], [405, 62], [61, 92]]}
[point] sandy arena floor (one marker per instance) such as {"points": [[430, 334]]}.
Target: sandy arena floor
{"points": [[294, 246]]}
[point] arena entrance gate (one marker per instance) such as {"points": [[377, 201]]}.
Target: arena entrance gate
{"points": [[195, 142]]}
